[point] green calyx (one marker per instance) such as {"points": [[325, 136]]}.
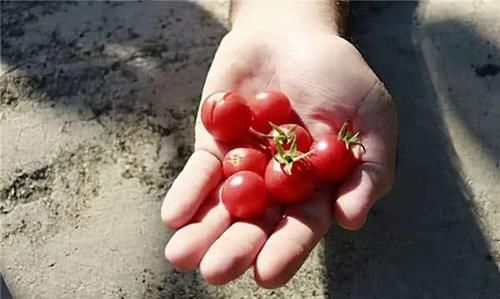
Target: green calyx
{"points": [[290, 156], [349, 137], [283, 137]]}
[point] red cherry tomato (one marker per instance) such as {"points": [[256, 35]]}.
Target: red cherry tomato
{"points": [[302, 138], [269, 106], [226, 116], [331, 159], [240, 159], [289, 188], [244, 195]]}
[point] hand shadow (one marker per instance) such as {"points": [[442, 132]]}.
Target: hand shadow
{"points": [[423, 240]]}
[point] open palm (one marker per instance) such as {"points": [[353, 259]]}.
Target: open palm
{"points": [[328, 82]]}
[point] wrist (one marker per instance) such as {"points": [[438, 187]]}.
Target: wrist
{"points": [[287, 15]]}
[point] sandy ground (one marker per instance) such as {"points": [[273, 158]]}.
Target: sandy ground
{"points": [[96, 113]]}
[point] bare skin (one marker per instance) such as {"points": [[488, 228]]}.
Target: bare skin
{"points": [[328, 82]]}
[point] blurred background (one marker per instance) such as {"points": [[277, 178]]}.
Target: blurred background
{"points": [[97, 106]]}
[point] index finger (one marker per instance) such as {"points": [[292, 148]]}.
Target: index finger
{"points": [[203, 171], [201, 174]]}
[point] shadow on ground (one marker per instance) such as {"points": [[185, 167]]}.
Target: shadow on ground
{"points": [[423, 240], [130, 70]]}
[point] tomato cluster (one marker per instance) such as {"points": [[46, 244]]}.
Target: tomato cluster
{"points": [[272, 157]]}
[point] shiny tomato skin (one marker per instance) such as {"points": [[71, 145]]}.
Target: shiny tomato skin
{"points": [[226, 116], [303, 138], [244, 195], [269, 106], [293, 188], [331, 160], [239, 159]]}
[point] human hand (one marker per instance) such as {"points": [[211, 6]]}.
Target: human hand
{"points": [[328, 82]]}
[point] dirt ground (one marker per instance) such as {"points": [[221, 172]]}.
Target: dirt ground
{"points": [[96, 114]]}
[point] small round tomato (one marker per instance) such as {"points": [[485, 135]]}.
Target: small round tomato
{"points": [[301, 135], [242, 158], [226, 116], [294, 187], [269, 106], [244, 195], [332, 159]]}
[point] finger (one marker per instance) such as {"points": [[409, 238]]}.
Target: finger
{"points": [[201, 174], [358, 194], [235, 251], [374, 178], [189, 244], [295, 236]]}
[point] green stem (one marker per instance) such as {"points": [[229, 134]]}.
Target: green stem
{"points": [[259, 135], [304, 155]]}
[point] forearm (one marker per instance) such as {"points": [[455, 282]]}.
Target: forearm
{"points": [[290, 14]]}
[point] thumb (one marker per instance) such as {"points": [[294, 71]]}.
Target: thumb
{"points": [[358, 193]]}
